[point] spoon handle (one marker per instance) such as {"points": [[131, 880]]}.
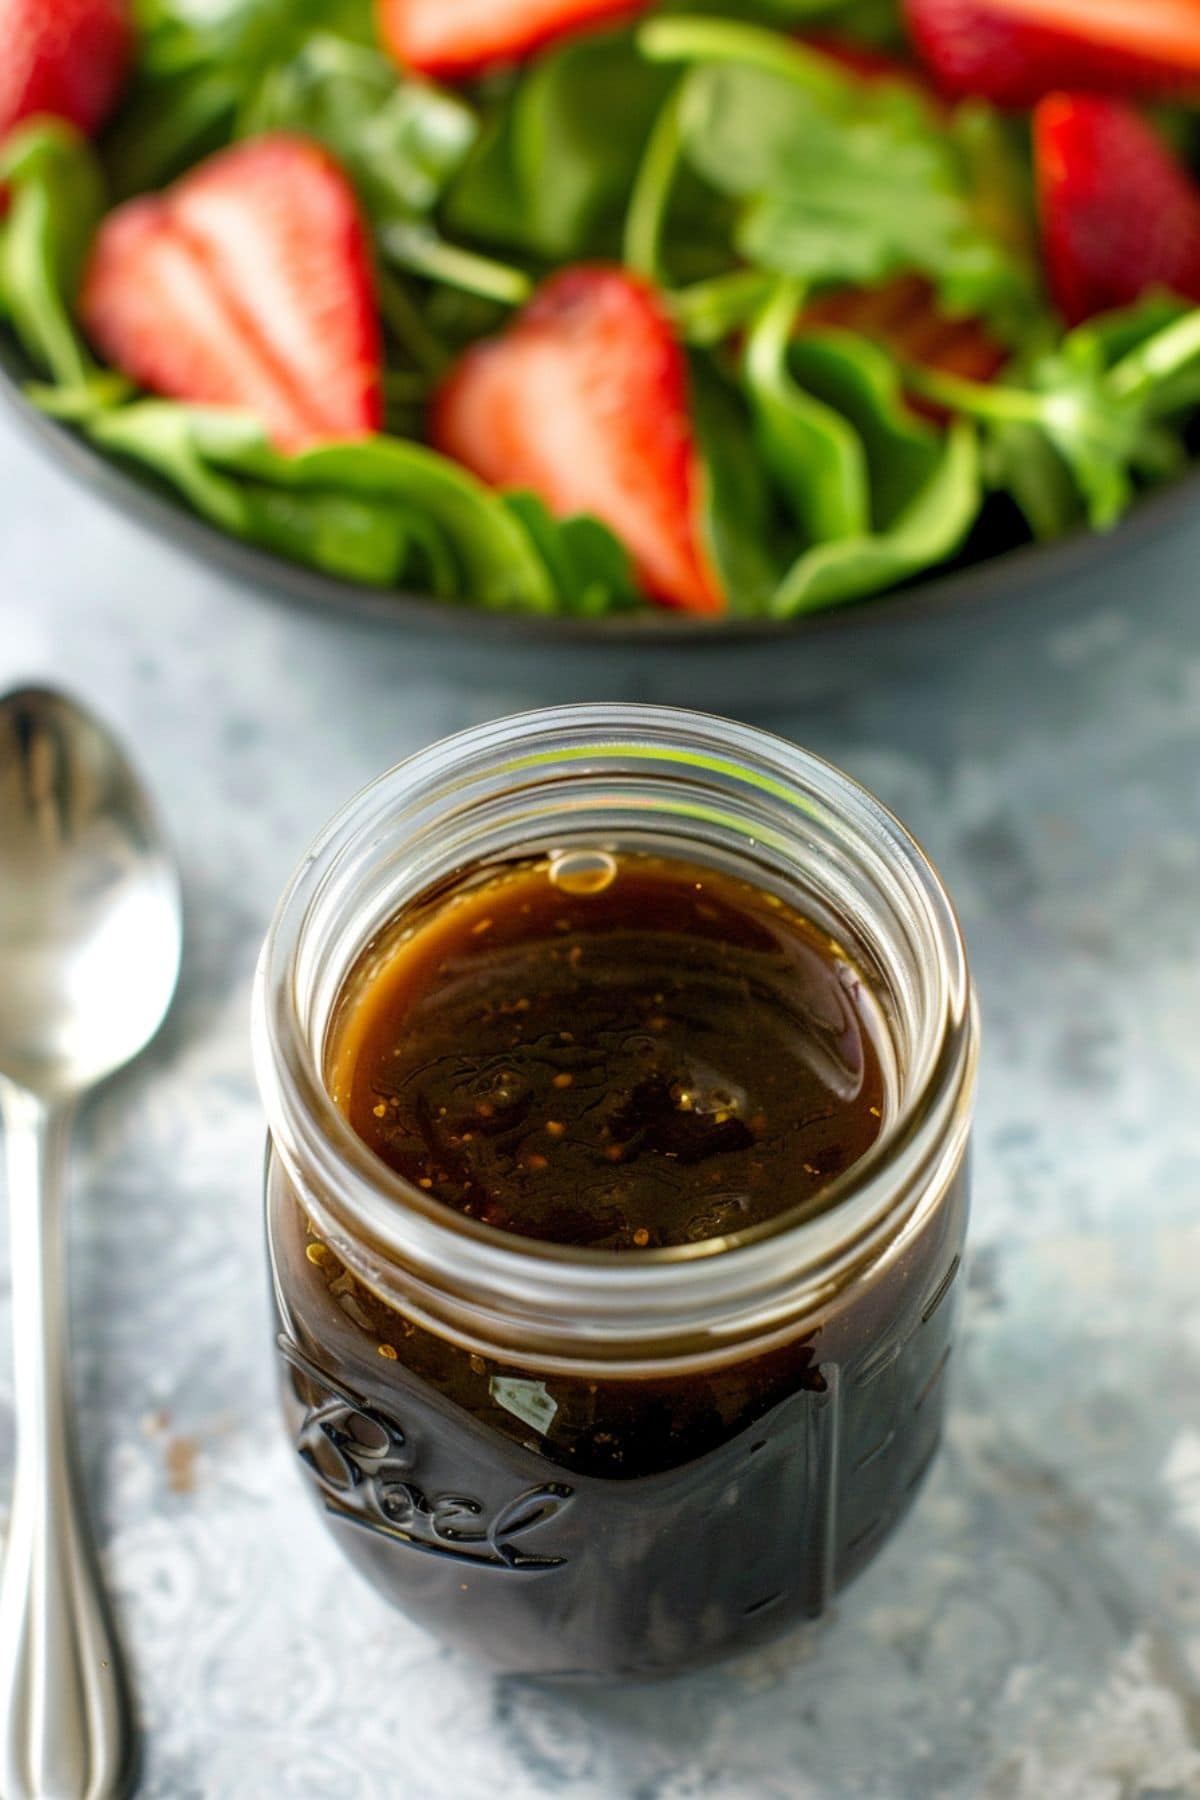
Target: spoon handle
{"points": [[64, 1712]]}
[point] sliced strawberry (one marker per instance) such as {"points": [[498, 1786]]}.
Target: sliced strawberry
{"points": [[1120, 214], [66, 57], [584, 400], [247, 284], [1014, 51], [904, 316], [455, 39]]}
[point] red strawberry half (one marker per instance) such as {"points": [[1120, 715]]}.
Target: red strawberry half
{"points": [[66, 57], [247, 284], [584, 400], [1014, 51], [1120, 215], [454, 39]]}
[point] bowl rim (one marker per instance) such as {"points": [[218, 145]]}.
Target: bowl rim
{"points": [[993, 579]]}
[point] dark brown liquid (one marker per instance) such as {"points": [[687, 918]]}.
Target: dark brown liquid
{"points": [[619, 1053]]}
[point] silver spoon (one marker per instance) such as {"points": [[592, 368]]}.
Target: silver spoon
{"points": [[90, 935]]}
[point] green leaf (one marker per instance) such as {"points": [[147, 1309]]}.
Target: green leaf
{"points": [[499, 566], [861, 202], [738, 526], [76, 404], [242, 36], [1101, 441], [165, 124], [671, 209], [246, 67], [176, 443], [408, 323], [401, 142], [558, 157], [877, 494], [834, 428], [862, 384], [1145, 347], [200, 64], [458, 319], [1021, 461], [748, 46], [380, 511], [1101, 399], [56, 198], [925, 533], [839, 180], [709, 312], [814, 454], [589, 566], [334, 532]]}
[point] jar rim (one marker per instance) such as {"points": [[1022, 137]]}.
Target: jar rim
{"points": [[736, 1285]]}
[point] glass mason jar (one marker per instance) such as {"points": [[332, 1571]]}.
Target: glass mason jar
{"points": [[574, 1462]]}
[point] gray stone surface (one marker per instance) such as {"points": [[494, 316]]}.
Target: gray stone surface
{"points": [[1034, 1631]]}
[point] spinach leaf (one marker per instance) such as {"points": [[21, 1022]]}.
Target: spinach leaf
{"points": [[167, 123], [1021, 461], [837, 180], [813, 452], [1104, 401], [709, 312], [400, 141], [56, 198], [861, 382], [1107, 443], [245, 34], [590, 568], [854, 202], [1145, 347], [834, 429], [333, 532], [380, 511], [499, 566], [707, 41], [199, 64], [738, 522], [876, 493], [560, 153], [181, 444], [927, 531]]}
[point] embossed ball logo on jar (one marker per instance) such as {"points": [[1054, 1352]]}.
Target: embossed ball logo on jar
{"points": [[363, 1462]]}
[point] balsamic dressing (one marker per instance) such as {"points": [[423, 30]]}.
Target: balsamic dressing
{"points": [[618, 1053]]}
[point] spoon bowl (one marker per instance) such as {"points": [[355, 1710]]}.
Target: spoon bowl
{"points": [[90, 915]]}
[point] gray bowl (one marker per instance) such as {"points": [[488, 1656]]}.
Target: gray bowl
{"points": [[655, 655]]}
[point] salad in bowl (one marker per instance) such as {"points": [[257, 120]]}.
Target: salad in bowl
{"points": [[587, 307]]}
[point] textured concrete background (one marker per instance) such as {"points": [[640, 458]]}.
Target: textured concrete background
{"points": [[1034, 1631]]}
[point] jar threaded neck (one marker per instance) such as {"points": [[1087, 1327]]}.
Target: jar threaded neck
{"points": [[600, 775]]}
